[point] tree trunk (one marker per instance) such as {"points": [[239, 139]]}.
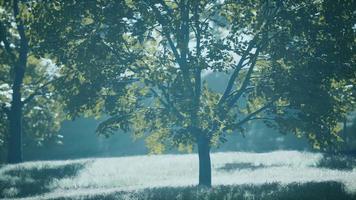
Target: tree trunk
{"points": [[15, 115], [204, 161], [15, 136]]}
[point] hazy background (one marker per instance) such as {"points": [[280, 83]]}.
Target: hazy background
{"points": [[80, 140]]}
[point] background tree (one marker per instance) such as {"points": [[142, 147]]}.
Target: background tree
{"points": [[27, 98], [147, 76], [315, 52], [87, 38]]}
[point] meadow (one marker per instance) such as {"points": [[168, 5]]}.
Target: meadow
{"points": [[236, 175]]}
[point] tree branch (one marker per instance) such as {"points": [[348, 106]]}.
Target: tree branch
{"points": [[236, 72], [244, 57], [245, 82], [166, 104], [166, 33], [38, 91], [248, 117], [262, 118], [181, 58], [247, 79], [20, 27], [198, 52]]}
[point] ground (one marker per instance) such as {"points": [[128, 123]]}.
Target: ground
{"points": [[236, 175]]}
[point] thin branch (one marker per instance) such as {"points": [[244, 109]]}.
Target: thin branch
{"points": [[213, 10], [248, 89], [236, 72], [260, 46], [184, 31], [251, 115], [245, 82], [166, 104], [165, 94], [181, 58], [243, 58], [262, 118], [166, 33], [183, 42], [198, 52], [39, 91], [20, 26]]}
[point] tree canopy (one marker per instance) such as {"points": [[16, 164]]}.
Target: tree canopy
{"points": [[294, 60], [141, 64]]}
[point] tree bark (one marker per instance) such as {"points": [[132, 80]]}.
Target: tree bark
{"points": [[15, 136], [204, 160], [15, 115]]}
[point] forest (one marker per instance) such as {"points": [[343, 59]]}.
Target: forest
{"points": [[177, 99]]}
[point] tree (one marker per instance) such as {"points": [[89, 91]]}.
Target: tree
{"points": [[86, 38], [321, 53], [27, 98], [147, 76]]}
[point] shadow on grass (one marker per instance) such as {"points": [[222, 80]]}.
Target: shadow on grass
{"points": [[239, 166], [27, 182], [339, 162], [329, 161], [273, 191]]}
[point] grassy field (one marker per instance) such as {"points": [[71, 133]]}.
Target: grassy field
{"points": [[236, 175], [272, 191]]}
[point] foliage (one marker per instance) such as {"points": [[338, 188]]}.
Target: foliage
{"points": [[291, 64], [41, 110], [314, 54], [86, 37]]}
